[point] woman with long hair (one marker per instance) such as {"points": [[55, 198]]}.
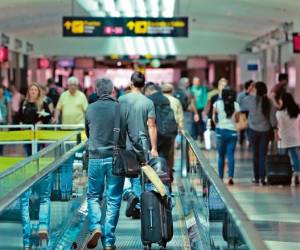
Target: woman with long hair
{"points": [[261, 121], [288, 119], [225, 114], [34, 109]]}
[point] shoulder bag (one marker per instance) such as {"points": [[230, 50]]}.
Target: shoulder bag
{"points": [[125, 162]]}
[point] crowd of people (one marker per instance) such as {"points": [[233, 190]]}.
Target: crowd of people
{"points": [[152, 117]]}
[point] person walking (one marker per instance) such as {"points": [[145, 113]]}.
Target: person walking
{"points": [[138, 113], [71, 104], [99, 118], [226, 114], [288, 121], [261, 122]]}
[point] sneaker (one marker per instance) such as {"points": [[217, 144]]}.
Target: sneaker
{"points": [[136, 214], [263, 183], [93, 239], [110, 248], [43, 235], [230, 182], [131, 203], [255, 181]]}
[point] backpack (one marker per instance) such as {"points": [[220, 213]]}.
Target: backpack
{"points": [[54, 95], [165, 121], [183, 98]]}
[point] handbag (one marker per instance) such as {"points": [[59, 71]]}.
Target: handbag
{"points": [[242, 123], [125, 162]]}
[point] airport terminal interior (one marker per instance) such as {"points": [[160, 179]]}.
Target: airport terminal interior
{"points": [[150, 124]]}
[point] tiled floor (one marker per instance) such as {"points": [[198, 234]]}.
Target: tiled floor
{"points": [[275, 210]]}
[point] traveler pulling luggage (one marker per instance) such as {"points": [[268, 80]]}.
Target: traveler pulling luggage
{"points": [[156, 217], [278, 167]]}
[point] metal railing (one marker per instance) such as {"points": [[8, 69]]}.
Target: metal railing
{"points": [[17, 179], [17, 134], [194, 161]]}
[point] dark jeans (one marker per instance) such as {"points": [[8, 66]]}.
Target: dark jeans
{"points": [[226, 143], [198, 127], [259, 141], [165, 148]]}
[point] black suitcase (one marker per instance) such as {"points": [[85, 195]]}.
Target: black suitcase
{"points": [[278, 169], [156, 219]]}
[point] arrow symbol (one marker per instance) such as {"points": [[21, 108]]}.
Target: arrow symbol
{"points": [[131, 25], [68, 25]]}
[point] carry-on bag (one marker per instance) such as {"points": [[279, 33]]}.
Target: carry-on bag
{"points": [[156, 218], [278, 168]]}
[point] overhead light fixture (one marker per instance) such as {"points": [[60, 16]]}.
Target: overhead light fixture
{"points": [[140, 10]]}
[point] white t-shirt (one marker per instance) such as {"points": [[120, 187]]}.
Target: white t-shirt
{"points": [[288, 129], [223, 121]]}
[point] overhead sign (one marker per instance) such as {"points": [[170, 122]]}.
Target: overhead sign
{"points": [[124, 26]]}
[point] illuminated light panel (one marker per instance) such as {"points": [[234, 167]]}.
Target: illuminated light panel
{"points": [[129, 46], [140, 10], [140, 44], [168, 8], [151, 46], [170, 46], [161, 46]]}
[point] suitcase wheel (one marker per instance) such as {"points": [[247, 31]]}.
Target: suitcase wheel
{"points": [[147, 247], [163, 245]]}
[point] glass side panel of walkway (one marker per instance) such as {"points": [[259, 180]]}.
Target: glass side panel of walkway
{"points": [[60, 189]]}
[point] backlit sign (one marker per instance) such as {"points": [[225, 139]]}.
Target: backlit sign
{"points": [[296, 42], [3, 54], [44, 63], [125, 26]]}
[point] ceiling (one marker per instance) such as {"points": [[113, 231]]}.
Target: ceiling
{"points": [[216, 27]]}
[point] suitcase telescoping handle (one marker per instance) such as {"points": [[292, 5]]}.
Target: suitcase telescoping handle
{"points": [[151, 217]]}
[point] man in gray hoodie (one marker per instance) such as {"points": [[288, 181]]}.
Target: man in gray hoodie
{"points": [[100, 118]]}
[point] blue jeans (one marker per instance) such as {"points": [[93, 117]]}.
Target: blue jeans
{"points": [[100, 170], [43, 189], [259, 141], [226, 142], [295, 158]]}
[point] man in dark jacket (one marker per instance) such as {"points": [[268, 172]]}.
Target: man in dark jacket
{"points": [[100, 117], [165, 144]]}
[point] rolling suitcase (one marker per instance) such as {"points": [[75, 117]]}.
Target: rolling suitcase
{"points": [[278, 169], [156, 218]]}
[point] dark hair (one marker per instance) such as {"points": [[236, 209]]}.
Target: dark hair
{"points": [[2, 86], [138, 79], [152, 87], [248, 84], [228, 97], [283, 77], [215, 84], [261, 96], [289, 104]]}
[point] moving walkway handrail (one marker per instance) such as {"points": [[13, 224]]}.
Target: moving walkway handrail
{"points": [[251, 236], [13, 195]]}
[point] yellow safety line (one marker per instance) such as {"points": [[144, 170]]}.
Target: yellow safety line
{"points": [[179, 208]]}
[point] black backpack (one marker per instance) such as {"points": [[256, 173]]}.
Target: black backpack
{"points": [[165, 121], [183, 98]]}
